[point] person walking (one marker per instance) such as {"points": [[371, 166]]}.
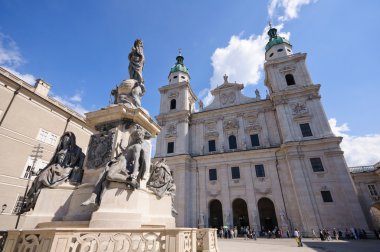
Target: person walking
{"points": [[297, 235]]}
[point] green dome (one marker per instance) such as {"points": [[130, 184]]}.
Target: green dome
{"points": [[179, 66], [274, 39]]}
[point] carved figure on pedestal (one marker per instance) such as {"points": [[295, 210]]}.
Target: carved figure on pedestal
{"points": [[65, 165], [129, 166], [161, 181]]}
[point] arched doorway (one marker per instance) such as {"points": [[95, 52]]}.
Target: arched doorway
{"points": [[267, 213], [240, 213], [375, 215], [216, 214]]}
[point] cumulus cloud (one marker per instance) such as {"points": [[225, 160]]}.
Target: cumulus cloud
{"points": [[11, 58], [358, 150], [72, 102], [286, 10]]}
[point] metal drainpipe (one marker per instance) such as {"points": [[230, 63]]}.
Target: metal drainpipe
{"points": [[9, 105]]}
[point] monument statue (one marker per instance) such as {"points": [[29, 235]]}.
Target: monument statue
{"points": [[130, 91], [136, 61], [66, 165], [161, 181], [129, 166], [257, 93]]}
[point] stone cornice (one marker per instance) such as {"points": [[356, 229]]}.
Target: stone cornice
{"points": [[166, 88], [311, 92], [315, 141], [294, 57]]}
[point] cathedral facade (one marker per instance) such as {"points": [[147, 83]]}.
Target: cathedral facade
{"points": [[259, 162]]}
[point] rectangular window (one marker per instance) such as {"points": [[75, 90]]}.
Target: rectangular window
{"points": [[255, 140], [306, 130], [260, 172], [372, 190], [39, 164], [212, 174], [211, 146], [235, 172], [18, 205], [47, 137], [326, 196], [316, 164], [171, 147]]}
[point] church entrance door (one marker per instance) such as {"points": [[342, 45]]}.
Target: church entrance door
{"points": [[240, 213], [216, 214], [267, 213]]}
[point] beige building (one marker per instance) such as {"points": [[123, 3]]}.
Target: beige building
{"points": [[30, 120], [367, 182], [260, 162]]}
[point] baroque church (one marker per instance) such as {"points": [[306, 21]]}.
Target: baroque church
{"points": [[259, 162]]}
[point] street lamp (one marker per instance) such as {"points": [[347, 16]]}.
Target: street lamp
{"points": [[3, 207]]}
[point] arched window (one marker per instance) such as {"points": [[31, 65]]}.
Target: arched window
{"points": [[173, 104], [290, 79], [232, 142]]}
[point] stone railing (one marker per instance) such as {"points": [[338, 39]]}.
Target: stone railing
{"points": [[97, 240], [359, 169]]}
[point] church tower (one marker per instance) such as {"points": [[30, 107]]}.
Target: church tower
{"points": [[176, 105], [311, 163]]}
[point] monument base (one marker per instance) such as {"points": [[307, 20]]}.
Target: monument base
{"points": [[92, 240], [52, 205], [122, 208]]}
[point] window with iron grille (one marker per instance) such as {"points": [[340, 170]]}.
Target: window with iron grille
{"points": [[260, 172], [316, 164], [306, 130], [212, 174]]}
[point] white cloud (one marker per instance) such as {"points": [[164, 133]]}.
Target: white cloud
{"points": [[74, 104], [29, 78], [242, 60], [289, 9], [358, 150], [11, 58]]}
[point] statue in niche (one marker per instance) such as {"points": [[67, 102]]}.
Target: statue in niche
{"points": [[129, 166], [65, 165], [161, 181], [130, 91]]}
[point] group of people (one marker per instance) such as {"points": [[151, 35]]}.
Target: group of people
{"points": [[233, 232], [337, 234]]}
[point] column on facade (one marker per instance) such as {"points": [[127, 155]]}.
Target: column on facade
{"points": [[203, 199], [225, 194], [305, 198], [253, 212]]}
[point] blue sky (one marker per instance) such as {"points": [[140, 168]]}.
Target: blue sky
{"points": [[81, 49]]}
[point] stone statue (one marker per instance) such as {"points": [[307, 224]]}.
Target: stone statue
{"points": [[200, 105], [257, 92], [129, 166], [161, 181], [225, 77], [136, 61], [65, 165], [130, 91]]}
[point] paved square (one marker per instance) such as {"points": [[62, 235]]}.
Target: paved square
{"points": [[284, 245]]}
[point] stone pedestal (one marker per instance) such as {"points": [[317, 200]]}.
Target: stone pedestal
{"points": [[122, 208], [52, 205]]}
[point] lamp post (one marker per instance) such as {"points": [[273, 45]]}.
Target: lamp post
{"points": [[3, 207], [35, 156]]}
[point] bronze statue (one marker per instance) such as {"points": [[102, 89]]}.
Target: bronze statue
{"points": [[65, 165], [136, 61]]}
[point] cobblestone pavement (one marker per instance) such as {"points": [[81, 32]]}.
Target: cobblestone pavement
{"points": [[284, 245]]}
